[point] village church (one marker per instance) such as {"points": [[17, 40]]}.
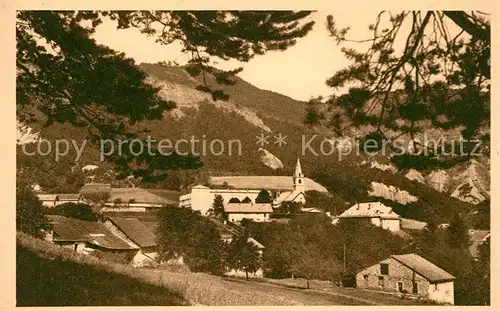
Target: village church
{"points": [[239, 194]]}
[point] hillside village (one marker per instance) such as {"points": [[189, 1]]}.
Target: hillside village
{"points": [[301, 211], [128, 226]]}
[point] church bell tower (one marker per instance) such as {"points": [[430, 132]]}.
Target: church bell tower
{"points": [[298, 178]]}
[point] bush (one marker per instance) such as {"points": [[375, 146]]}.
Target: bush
{"points": [[30, 217], [80, 211]]}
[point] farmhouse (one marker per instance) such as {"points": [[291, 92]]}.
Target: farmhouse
{"points": [[374, 212], [86, 236], [258, 212], [245, 189], [131, 229], [411, 274]]}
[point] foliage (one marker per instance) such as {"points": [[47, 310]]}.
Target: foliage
{"points": [[80, 211], [185, 233], [472, 283], [99, 89], [263, 197], [329, 202], [243, 255], [312, 248], [30, 214], [440, 79], [458, 233], [218, 207]]}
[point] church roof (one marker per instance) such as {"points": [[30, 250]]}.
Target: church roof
{"points": [[281, 183], [287, 196]]}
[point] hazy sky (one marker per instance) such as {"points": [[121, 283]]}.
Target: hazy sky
{"points": [[299, 72]]}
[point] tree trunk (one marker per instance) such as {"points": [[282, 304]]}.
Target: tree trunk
{"points": [[307, 283], [246, 273]]}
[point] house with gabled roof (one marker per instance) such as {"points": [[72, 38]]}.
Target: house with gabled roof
{"points": [[86, 236], [376, 213], [409, 274], [142, 236]]}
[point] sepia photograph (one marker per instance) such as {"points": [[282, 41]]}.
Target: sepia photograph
{"points": [[252, 157]]}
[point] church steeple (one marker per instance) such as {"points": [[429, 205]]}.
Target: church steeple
{"points": [[298, 170], [298, 178]]}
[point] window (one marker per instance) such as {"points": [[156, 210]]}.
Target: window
{"points": [[400, 287], [415, 288], [365, 276], [384, 269], [381, 281]]}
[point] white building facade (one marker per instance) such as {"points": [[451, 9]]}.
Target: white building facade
{"points": [[201, 197]]}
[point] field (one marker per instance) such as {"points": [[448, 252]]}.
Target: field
{"points": [[49, 275]]}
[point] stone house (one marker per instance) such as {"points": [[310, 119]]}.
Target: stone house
{"points": [[410, 274]]}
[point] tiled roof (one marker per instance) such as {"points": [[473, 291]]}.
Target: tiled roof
{"points": [[147, 196], [47, 197], [370, 209], [287, 196], [264, 182], [248, 208], [74, 230], [135, 230], [425, 268], [69, 196], [254, 242], [95, 188], [412, 224]]}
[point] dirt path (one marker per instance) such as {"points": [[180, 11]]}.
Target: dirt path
{"points": [[305, 297]]}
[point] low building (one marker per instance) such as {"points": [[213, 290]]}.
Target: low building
{"points": [[52, 200], [48, 200], [477, 238], [139, 199], [143, 237], [258, 212], [376, 213], [410, 274], [74, 198], [88, 236]]}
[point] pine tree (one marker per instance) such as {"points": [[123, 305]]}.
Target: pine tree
{"points": [[458, 234], [218, 207], [73, 79], [263, 197], [394, 93]]}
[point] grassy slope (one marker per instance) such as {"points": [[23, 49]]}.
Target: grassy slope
{"points": [[51, 275], [58, 282]]}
